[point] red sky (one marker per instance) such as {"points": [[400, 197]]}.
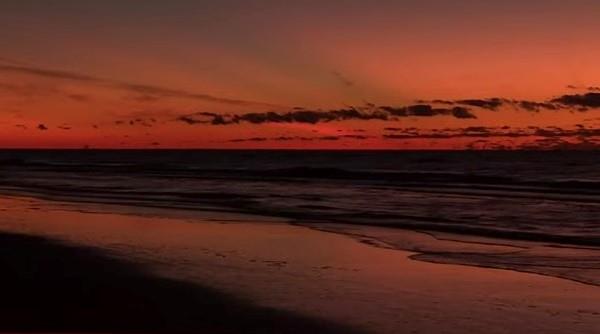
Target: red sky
{"points": [[264, 74]]}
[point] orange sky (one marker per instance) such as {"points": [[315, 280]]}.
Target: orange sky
{"points": [[114, 74]]}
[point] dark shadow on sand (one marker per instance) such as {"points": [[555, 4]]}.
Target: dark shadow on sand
{"points": [[46, 286]]}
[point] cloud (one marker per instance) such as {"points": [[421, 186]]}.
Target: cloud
{"points": [[136, 121], [42, 127], [189, 119], [460, 112], [27, 90], [300, 115], [33, 90], [465, 109], [146, 122], [588, 88], [485, 137], [535, 106], [492, 132], [254, 139], [342, 79], [294, 116], [300, 138], [438, 102], [426, 110], [358, 137], [146, 90], [588, 100], [491, 103], [204, 118], [310, 116], [560, 144], [495, 103], [482, 144]]}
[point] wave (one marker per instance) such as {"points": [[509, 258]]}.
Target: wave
{"points": [[507, 197], [305, 213], [296, 172]]}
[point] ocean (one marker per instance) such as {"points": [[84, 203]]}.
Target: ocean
{"points": [[551, 196]]}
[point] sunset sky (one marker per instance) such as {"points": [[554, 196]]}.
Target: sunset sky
{"points": [[419, 74]]}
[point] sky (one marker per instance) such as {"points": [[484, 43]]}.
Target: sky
{"points": [[425, 74]]}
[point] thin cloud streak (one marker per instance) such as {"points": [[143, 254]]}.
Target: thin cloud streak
{"points": [[133, 87]]}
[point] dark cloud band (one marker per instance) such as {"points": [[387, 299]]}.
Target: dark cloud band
{"points": [[298, 115]]}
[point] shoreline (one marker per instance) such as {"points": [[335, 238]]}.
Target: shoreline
{"points": [[314, 274], [559, 260], [517, 236], [561, 266]]}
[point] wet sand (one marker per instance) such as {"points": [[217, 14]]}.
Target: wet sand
{"points": [[577, 263], [312, 277]]}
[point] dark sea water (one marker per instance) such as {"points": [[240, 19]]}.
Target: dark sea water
{"points": [[547, 196]]}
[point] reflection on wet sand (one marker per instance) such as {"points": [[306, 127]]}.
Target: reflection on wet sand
{"points": [[318, 274], [577, 263]]}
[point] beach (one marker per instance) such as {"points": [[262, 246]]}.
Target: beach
{"points": [[219, 272], [299, 167]]}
